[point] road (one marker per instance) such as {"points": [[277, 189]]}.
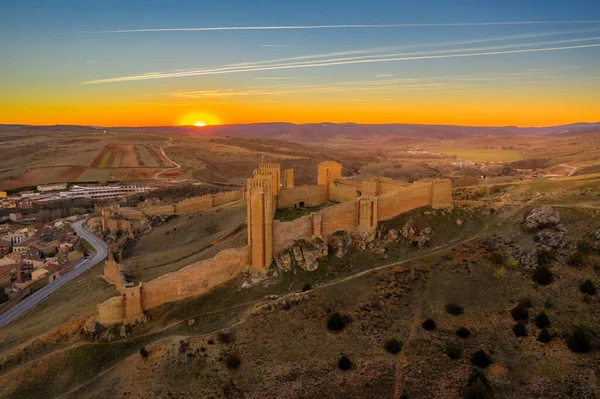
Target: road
{"points": [[81, 266]]}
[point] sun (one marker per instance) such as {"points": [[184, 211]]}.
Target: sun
{"points": [[199, 119]]}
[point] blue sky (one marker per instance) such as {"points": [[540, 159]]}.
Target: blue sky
{"points": [[56, 54]]}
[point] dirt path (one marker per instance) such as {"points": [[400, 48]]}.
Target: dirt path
{"points": [[162, 149]]}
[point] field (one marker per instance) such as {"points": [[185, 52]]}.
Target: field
{"points": [[115, 156]]}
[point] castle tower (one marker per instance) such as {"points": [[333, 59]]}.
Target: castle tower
{"points": [[274, 169], [260, 221], [288, 178], [367, 214], [441, 194], [328, 171]]}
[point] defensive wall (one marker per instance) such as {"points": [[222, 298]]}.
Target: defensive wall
{"points": [[194, 204], [362, 205]]}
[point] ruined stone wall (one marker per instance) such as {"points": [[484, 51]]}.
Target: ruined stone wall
{"points": [[131, 213], [133, 303], [288, 178], [113, 272], [441, 194], [392, 205], [194, 204], [339, 217], [194, 280], [110, 311], [310, 195], [285, 233]]}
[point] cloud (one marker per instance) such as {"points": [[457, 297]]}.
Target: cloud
{"points": [[346, 26], [275, 78], [441, 54], [384, 75], [274, 45]]}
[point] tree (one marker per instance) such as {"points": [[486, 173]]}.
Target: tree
{"points": [[335, 322], [542, 275], [588, 287], [463, 332], [519, 329], [544, 336], [481, 359], [454, 309], [542, 320], [393, 345], [519, 313], [429, 324], [3, 295], [344, 363], [579, 341]]}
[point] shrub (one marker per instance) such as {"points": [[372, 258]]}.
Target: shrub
{"points": [[501, 272], [335, 322], [393, 345], [344, 363], [579, 341], [3, 295], [512, 263], [481, 359], [588, 287], [544, 336], [453, 351], [576, 259], [478, 386], [463, 332], [232, 361], [526, 302], [542, 320], [454, 309], [542, 275], [584, 247], [544, 257], [306, 287], [429, 324], [519, 329], [519, 313], [143, 352], [498, 258]]}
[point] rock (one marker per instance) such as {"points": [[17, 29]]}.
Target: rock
{"points": [[92, 327], [123, 331], [379, 251], [284, 261], [392, 234], [191, 322], [459, 222], [552, 239], [275, 273], [339, 243], [246, 284], [297, 252], [539, 218], [421, 241], [302, 253]]}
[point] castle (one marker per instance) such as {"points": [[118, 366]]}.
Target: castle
{"points": [[351, 206]]}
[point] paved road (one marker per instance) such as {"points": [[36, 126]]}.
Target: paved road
{"points": [[82, 265]]}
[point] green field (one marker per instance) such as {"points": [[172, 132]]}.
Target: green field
{"points": [[105, 159], [117, 161]]}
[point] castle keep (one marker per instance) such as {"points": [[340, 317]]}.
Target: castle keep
{"points": [[348, 205]]}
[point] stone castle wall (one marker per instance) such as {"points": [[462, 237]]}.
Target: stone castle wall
{"points": [[285, 233], [113, 272], [343, 216], [194, 204], [189, 282], [393, 204], [309, 195]]}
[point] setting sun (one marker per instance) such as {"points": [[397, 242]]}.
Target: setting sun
{"points": [[199, 119]]}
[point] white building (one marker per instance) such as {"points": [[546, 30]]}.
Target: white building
{"points": [[52, 187], [102, 192]]}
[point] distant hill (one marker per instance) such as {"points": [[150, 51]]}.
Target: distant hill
{"points": [[319, 132]]}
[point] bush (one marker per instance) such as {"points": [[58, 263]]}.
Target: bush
{"points": [[498, 258], [576, 259], [143, 352], [544, 336], [429, 324], [335, 322], [478, 386], [344, 363], [544, 257], [232, 361], [584, 247], [512, 263], [463, 332], [526, 302], [519, 329], [579, 341], [519, 313], [481, 359], [542, 275], [393, 345], [588, 287], [454, 309], [453, 351], [306, 287], [542, 320], [3, 295]]}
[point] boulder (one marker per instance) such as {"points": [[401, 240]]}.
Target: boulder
{"points": [[539, 218], [339, 243], [302, 253], [552, 239], [93, 328], [392, 234]]}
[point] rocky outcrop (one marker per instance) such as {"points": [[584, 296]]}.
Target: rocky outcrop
{"points": [[339, 243], [552, 239], [595, 239], [539, 218], [417, 234], [303, 254]]}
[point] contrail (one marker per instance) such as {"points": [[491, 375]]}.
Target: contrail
{"points": [[347, 26], [341, 61]]}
